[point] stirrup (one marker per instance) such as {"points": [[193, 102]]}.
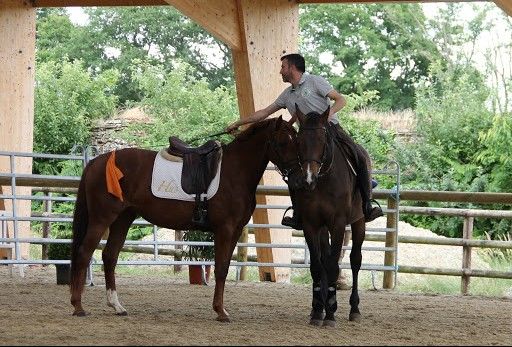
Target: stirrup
{"points": [[290, 221], [374, 212], [289, 208]]}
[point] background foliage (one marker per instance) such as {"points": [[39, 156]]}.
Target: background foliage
{"points": [[381, 57]]}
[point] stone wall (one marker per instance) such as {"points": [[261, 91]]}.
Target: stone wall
{"points": [[105, 135]]}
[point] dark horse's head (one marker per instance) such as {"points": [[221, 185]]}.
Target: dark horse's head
{"points": [[313, 142], [282, 152]]}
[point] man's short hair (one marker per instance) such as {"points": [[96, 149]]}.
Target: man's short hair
{"points": [[295, 59]]}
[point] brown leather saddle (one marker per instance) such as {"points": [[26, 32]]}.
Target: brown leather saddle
{"points": [[200, 166]]}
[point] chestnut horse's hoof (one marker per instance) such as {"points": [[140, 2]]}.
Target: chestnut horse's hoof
{"points": [[224, 319], [80, 313], [329, 323], [355, 317]]}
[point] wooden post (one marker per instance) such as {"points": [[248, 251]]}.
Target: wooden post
{"points": [[467, 234], [389, 257], [178, 236], [242, 253], [269, 29], [47, 205], [17, 62]]}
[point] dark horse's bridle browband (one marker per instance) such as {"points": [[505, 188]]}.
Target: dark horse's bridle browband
{"points": [[326, 151]]}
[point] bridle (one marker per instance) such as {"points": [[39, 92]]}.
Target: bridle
{"points": [[327, 152], [285, 168]]}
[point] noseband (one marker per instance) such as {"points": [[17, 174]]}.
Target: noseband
{"points": [[326, 152], [283, 167]]}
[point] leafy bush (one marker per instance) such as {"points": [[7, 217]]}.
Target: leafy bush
{"points": [[67, 98], [180, 105], [60, 251], [199, 252]]}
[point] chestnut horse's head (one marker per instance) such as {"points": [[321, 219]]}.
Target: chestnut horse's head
{"points": [[313, 145], [282, 152]]}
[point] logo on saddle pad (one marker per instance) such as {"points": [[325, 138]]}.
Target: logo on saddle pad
{"points": [[166, 180]]}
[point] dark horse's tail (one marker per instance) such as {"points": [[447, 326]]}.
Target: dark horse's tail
{"points": [[80, 221]]}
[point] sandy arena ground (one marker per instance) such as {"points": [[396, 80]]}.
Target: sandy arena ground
{"points": [[36, 311]]}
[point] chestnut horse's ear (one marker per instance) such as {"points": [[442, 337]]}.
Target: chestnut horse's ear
{"points": [[325, 115], [299, 114]]}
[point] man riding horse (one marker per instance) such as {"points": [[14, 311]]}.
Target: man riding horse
{"points": [[313, 93]]}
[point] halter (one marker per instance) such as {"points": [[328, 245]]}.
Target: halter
{"points": [[284, 168], [325, 152]]}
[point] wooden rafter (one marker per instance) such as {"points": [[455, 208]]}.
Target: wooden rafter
{"points": [[86, 3], [218, 17], [90, 3], [505, 5]]}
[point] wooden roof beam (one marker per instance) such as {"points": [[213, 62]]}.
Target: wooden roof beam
{"points": [[218, 17], [381, 1], [91, 3], [505, 5]]}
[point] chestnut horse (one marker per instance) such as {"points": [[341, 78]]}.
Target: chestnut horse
{"points": [[330, 202], [243, 163]]}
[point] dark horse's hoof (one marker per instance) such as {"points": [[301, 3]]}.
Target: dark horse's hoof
{"points": [[355, 317], [329, 323], [316, 318], [316, 322]]}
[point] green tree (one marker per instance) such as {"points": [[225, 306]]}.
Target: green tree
{"points": [[180, 104], [451, 114], [67, 98], [156, 35], [376, 47], [57, 39]]}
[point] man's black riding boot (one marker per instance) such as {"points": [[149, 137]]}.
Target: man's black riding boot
{"points": [[295, 221], [363, 180], [292, 222], [371, 213]]}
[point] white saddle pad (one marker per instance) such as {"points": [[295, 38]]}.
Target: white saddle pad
{"points": [[166, 181]]}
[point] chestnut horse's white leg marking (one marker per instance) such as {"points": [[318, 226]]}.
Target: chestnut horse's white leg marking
{"points": [[309, 175], [113, 301]]}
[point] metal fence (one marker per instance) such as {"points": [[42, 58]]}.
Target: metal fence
{"points": [[51, 190]]}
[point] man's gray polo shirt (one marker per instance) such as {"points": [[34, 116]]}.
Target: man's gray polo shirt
{"points": [[310, 95]]}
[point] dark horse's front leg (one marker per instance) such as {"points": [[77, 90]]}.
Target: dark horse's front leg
{"points": [[315, 267], [332, 253], [358, 234]]}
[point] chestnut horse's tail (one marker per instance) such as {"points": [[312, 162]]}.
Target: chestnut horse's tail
{"points": [[80, 220]]}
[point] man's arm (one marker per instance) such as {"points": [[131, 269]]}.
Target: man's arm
{"points": [[339, 102], [255, 117]]}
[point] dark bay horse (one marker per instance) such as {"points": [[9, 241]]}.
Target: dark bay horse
{"points": [[330, 202], [243, 163]]}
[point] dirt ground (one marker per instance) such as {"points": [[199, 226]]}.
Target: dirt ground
{"points": [[162, 311]]}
